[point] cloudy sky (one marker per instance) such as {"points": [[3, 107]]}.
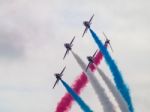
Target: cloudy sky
{"points": [[32, 34]]}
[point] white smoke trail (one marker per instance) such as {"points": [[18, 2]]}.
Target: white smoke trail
{"points": [[99, 90], [118, 97]]}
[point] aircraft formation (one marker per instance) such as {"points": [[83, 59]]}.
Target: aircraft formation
{"points": [[68, 47], [120, 90]]}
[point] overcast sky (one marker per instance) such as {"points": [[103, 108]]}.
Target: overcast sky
{"points": [[32, 34]]}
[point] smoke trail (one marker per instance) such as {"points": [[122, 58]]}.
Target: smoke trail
{"points": [[67, 100], [118, 97], [115, 71], [81, 103], [99, 90]]}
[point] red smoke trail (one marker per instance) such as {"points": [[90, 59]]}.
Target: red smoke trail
{"points": [[66, 102]]}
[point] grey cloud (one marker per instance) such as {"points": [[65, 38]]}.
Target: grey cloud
{"points": [[11, 45]]}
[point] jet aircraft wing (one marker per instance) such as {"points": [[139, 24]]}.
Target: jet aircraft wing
{"points": [[94, 54], [55, 83], [111, 47], [84, 31], [65, 53], [91, 19], [62, 71], [72, 40], [88, 66]]}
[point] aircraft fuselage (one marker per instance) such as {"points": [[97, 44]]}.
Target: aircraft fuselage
{"points": [[86, 24], [57, 76], [68, 46], [107, 41], [90, 59]]}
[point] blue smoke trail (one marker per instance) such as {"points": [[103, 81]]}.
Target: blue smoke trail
{"points": [[115, 71], [83, 106]]}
